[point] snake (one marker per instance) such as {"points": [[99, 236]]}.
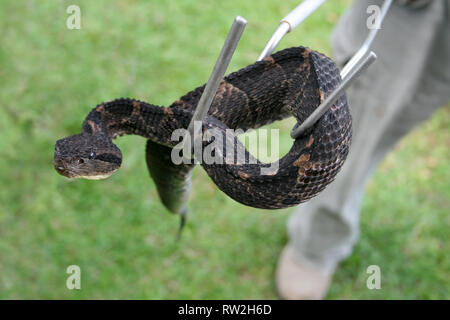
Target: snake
{"points": [[290, 82]]}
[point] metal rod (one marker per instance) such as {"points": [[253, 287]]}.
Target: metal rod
{"points": [[368, 42], [351, 71], [289, 23], [336, 94], [218, 72], [301, 12], [281, 31]]}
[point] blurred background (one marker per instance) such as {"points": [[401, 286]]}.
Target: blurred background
{"points": [[116, 230]]}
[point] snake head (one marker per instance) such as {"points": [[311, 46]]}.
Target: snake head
{"points": [[89, 156]]}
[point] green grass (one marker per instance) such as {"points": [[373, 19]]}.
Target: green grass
{"points": [[116, 230]]}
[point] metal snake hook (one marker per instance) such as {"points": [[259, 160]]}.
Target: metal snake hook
{"points": [[229, 46], [368, 42], [289, 23], [231, 42], [356, 65]]}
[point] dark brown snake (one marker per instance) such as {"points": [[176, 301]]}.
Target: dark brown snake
{"points": [[292, 82]]}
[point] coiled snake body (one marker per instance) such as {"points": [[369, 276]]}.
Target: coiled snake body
{"points": [[293, 82]]}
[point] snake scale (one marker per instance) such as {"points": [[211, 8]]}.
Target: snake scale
{"points": [[291, 82]]}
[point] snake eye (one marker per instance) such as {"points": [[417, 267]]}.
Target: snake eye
{"points": [[92, 155], [80, 161]]}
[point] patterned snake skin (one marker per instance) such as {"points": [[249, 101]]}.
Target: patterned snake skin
{"points": [[292, 82]]}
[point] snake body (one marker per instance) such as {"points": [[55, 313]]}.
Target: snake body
{"points": [[292, 82]]}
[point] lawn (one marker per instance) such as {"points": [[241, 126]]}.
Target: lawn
{"points": [[116, 230]]}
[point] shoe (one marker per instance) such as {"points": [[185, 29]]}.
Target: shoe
{"points": [[297, 281]]}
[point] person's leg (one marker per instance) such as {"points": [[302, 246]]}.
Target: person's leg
{"points": [[407, 83]]}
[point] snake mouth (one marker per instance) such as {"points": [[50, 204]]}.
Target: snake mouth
{"points": [[64, 171], [98, 176]]}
